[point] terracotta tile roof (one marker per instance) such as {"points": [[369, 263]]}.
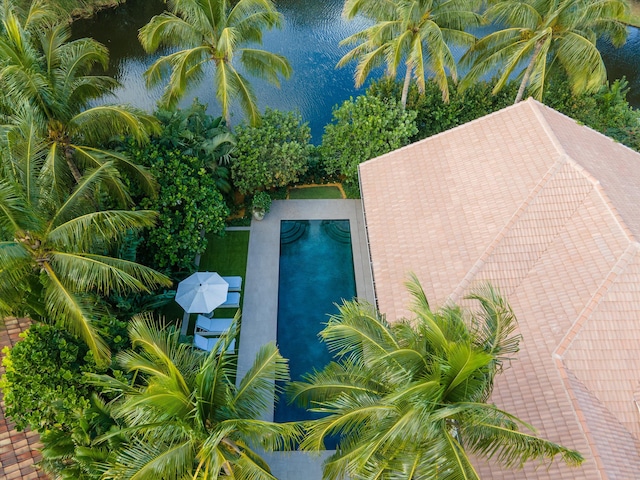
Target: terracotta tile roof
{"points": [[18, 450], [548, 211]]}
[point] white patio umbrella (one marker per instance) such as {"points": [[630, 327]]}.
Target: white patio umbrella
{"points": [[202, 292]]}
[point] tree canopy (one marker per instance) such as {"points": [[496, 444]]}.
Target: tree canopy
{"points": [[409, 400]]}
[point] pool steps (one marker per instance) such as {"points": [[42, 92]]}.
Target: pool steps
{"points": [[337, 231], [293, 231]]}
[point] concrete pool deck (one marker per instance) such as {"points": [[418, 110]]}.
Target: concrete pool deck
{"points": [[260, 304]]}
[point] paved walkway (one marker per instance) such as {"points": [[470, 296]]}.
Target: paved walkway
{"points": [[260, 307]]}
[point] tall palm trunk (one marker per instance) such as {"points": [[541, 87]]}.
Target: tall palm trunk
{"points": [[405, 87], [527, 73], [68, 155]]}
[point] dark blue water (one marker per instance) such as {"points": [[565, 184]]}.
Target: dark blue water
{"points": [[316, 272], [309, 39]]}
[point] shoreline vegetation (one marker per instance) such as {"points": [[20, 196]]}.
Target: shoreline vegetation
{"points": [[81, 9]]}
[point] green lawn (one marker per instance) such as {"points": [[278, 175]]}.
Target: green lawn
{"points": [[316, 193], [226, 255]]}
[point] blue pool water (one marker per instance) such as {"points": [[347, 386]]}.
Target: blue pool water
{"points": [[316, 272]]}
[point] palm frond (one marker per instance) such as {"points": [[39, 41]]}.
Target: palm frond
{"points": [[256, 389], [73, 312], [84, 231]]}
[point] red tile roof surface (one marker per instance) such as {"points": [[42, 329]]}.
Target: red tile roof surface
{"points": [[548, 211], [18, 450]]}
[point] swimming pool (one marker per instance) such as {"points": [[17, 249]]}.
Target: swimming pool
{"points": [[316, 272]]}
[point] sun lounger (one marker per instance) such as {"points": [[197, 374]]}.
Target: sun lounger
{"points": [[233, 300], [208, 343], [212, 325], [235, 283]]}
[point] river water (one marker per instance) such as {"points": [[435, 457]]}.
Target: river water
{"points": [[309, 39]]}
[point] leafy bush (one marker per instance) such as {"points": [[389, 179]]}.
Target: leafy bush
{"points": [[434, 115], [273, 154], [189, 204], [361, 129], [43, 385], [261, 201], [606, 111], [194, 133]]}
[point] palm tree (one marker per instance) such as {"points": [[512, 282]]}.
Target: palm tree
{"points": [[409, 400], [419, 32], [185, 416], [49, 79], [544, 36], [214, 31], [54, 255]]}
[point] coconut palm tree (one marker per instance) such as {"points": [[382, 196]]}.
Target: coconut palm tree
{"points": [[55, 254], [409, 400], [215, 32], [185, 416], [418, 33], [49, 78], [542, 36]]}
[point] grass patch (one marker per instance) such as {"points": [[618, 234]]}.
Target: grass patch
{"points": [[315, 193], [226, 255]]}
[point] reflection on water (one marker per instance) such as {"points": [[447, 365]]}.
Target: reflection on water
{"points": [[625, 61], [309, 39]]}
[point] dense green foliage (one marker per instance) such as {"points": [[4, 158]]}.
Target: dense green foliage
{"points": [[417, 33], [409, 399], [543, 37], [195, 133], [43, 385], [188, 159], [189, 204], [272, 154], [606, 110], [215, 33], [361, 129], [433, 115], [186, 417]]}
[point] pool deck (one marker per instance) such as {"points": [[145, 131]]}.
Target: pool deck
{"points": [[260, 305]]}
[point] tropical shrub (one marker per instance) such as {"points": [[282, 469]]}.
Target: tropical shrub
{"points": [[361, 129], [273, 154], [606, 111], [189, 204], [197, 134], [43, 386], [411, 399], [433, 115], [261, 201], [186, 417]]}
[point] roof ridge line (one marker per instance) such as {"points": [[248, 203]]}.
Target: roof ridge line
{"points": [[620, 266], [462, 126], [535, 107], [472, 272], [580, 418]]}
